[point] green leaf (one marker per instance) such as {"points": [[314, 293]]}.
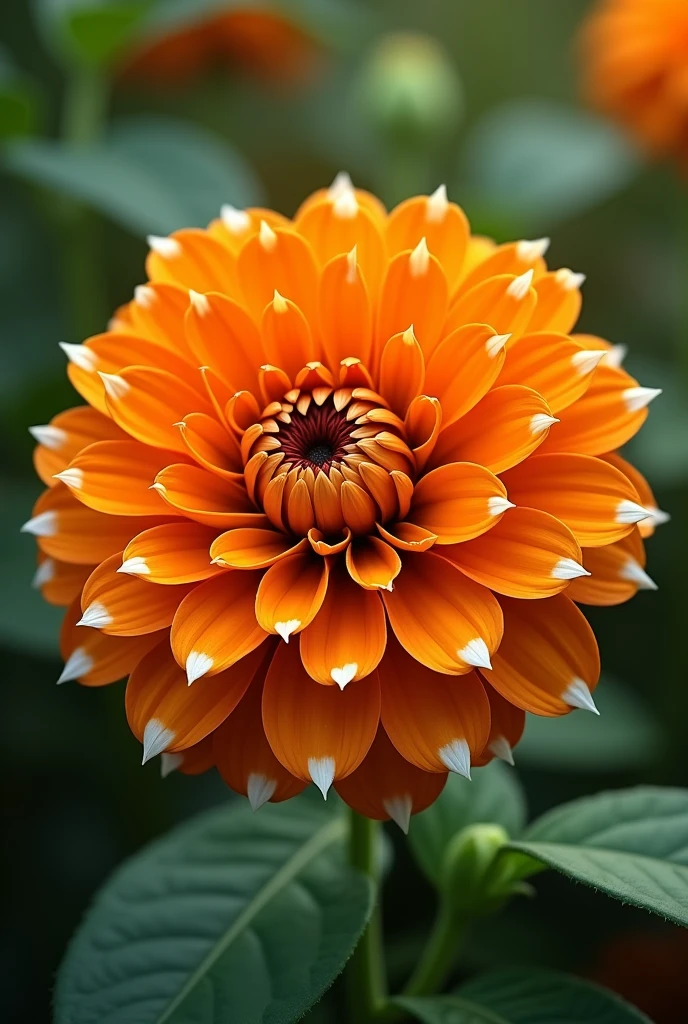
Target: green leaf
{"points": [[519, 996], [534, 164], [632, 844], [19, 99], [493, 795], [150, 175], [89, 32], [232, 917], [624, 737]]}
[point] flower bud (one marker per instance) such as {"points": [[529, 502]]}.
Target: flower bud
{"points": [[468, 876]]}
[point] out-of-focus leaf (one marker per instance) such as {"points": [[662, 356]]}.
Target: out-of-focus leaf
{"points": [[631, 844], [18, 100], [626, 736], [520, 996], [89, 32], [533, 164], [660, 449], [492, 796], [233, 917], [151, 175], [27, 622]]}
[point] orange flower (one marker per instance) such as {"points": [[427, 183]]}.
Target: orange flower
{"points": [[347, 475], [261, 42], [635, 68]]}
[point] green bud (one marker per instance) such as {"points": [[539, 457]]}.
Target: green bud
{"points": [[468, 880], [410, 90]]}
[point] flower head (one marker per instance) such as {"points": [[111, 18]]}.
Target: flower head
{"points": [[635, 68], [339, 486]]}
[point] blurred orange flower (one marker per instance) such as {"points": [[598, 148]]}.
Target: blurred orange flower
{"points": [[261, 42], [635, 69], [649, 970], [362, 527]]}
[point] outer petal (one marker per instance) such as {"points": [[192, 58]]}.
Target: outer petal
{"points": [[291, 593], [116, 477], [215, 625], [548, 661], [278, 260], [434, 722], [463, 368], [502, 430], [402, 371], [442, 618], [505, 302], [221, 334], [126, 606], [414, 293], [386, 785], [62, 439], [346, 317], [617, 573], [346, 639], [596, 501], [191, 761], [167, 715], [212, 445], [458, 501], [60, 582], [287, 337], [647, 498], [148, 403], [373, 564], [191, 258], [335, 227], [319, 733], [206, 498], [157, 313], [507, 723], [443, 225], [558, 301], [175, 553], [244, 758], [96, 659], [557, 368], [528, 554]]}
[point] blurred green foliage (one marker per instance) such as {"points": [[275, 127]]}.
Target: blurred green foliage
{"points": [[91, 163]]}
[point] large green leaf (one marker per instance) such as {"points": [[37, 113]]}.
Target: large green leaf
{"points": [[493, 795], [151, 175], [625, 736], [232, 917], [631, 844], [525, 997], [534, 164]]}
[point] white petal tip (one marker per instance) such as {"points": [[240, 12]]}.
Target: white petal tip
{"points": [[267, 237], [501, 748], [577, 695], [342, 676], [42, 525], [529, 251], [437, 206], [199, 302], [341, 183], [96, 616], [541, 422], [587, 360], [166, 247], [635, 573], [43, 574], [659, 518], [399, 809], [629, 512], [144, 295], [569, 280], [345, 204], [49, 436], [495, 344], [116, 387], [80, 355], [197, 664], [475, 653], [321, 771], [568, 569], [169, 763], [285, 629], [72, 477], [456, 756], [78, 664], [236, 221], [518, 288], [259, 789], [615, 355], [638, 398], [419, 260], [156, 739], [496, 505], [134, 567]]}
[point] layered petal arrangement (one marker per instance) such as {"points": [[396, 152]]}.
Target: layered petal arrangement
{"points": [[341, 484], [635, 69]]}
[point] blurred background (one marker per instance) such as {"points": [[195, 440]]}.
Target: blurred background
{"points": [[119, 119]]}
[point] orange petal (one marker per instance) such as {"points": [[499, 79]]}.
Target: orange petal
{"points": [[124, 605], [558, 301], [358, 508], [96, 659], [373, 564], [610, 412], [335, 226], [212, 446], [434, 722], [221, 334], [386, 785], [505, 302], [207, 498], [346, 319], [414, 293], [596, 501], [157, 313], [215, 625], [116, 477], [443, 225], [346, 639], [443, 619], [175, 553], [547, 662], [165, 714], [507, 723], [233, 227], [617, 573], [502, 430], [647, 498], [244, 757], [253, 549], [458, 501], [148, 403], [72, 532], [191, 761], [510, 258], [402, 371], [319, 733], [557, 368], [407, 536], [191, 258], [277, 259], [529, 554], [62, 439], [463, 368], [60, 582], [291, 593], [423, 422], [287, 338]]}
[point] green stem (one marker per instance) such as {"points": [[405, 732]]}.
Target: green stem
{"points": [[439, 956], [366, 971], [85, 106]]}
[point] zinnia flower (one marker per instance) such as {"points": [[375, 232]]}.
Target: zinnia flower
{"points": [[349, 476], [635, 68]]}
